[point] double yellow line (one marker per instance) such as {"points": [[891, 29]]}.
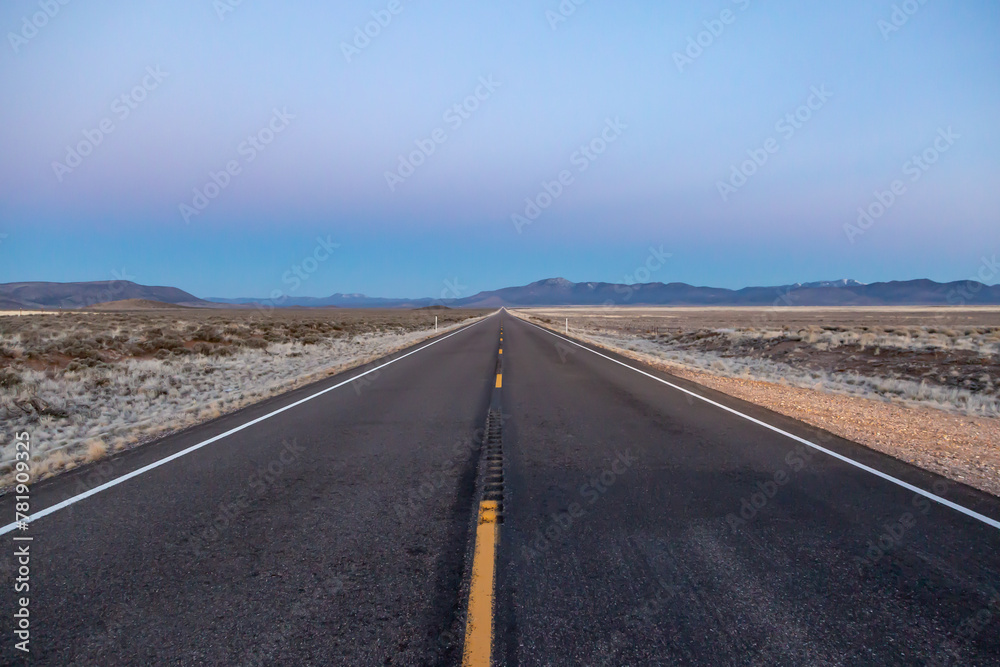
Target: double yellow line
{"points": [[500, 375], [478, 648], [479, 620]]}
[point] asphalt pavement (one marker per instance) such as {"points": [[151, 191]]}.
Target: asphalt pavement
{"points": [[641, 525], [644, 526], [331, 533]]}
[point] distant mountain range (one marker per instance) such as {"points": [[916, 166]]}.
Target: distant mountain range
{"points": [[559, 291], [550, 292]]}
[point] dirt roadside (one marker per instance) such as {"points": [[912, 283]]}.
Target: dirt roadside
{"points": [[962, 448]]}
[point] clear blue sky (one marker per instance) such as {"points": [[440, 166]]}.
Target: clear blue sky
{"points": [[556, 84]]}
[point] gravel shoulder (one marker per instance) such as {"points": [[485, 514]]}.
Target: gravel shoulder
{"points": [[961, 447]]}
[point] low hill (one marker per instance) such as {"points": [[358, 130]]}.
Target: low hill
{"points": [[41, 295]]}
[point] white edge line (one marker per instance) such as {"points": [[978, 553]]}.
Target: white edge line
{"points": [[862, 466], [176, 455]]}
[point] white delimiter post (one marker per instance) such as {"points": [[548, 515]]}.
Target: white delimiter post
{"points": [[435, 323], [567, 326]]}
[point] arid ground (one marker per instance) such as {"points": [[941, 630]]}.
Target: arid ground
{"points": [[919, 383], [92, 382]]}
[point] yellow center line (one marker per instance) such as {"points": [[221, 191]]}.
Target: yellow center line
{"points": [[479, 622], [499, 376]]}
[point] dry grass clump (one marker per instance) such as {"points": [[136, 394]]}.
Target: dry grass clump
{"points": [[86, 385], [948, 359], [917, 384], [96, 450]]}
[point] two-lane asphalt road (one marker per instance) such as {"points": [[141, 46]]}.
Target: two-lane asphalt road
{"points": [[641, 525]]}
